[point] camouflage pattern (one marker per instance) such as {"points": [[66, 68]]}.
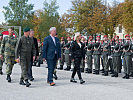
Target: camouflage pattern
{"points": [[8, 51], [62, 54], [24, 48]]}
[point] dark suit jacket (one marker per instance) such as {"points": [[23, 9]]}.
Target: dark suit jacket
{"points": [[49, 48], [36, 46], [76, 51]]}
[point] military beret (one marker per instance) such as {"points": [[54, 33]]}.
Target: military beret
{"points": [[117, 36], [62, 37], [1, 34], [98, 36], [90, 37], [105, 35], [68, 37], [26, 29], [127, 35]]}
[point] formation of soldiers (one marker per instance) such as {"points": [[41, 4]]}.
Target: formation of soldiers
{"points": [[110, 54]]}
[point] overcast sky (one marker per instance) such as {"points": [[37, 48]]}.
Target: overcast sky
{"points": [[64, 5]]}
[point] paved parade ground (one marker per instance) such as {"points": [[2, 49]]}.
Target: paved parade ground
{"points": [[97, 87]]}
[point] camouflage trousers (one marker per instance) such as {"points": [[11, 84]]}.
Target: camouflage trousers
{"points": [[1, 64], [116, 64], [9, 61], [82, 64], [62, 59], [127, 64], [68, 59], [97, 62], [24, 62]]}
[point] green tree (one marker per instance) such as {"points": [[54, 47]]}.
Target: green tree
{"points": [[17, 11], [49, 18]]}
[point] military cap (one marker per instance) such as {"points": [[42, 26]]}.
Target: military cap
{"points": [[105, 36], [26, 29]]}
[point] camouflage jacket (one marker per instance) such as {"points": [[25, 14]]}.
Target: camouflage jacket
{"points": [[25, 47], [8, 46]]}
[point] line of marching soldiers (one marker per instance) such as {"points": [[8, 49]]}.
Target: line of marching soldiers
{"points": [[110, 53]]}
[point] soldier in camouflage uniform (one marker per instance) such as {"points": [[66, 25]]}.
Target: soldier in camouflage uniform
{"points": [[105, 54], [127, 56], [62, 54], [89, 54], [132, 60], [116, 56], [8, 51], [96, 54], [1, 60], [24, 48], [68, 54]]}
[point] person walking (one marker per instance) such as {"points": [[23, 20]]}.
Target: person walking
{"points": [[51, 53], [77, 53], [24, 49]]}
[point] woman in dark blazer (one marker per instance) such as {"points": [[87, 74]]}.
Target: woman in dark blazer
{"points": [[77, 51]]}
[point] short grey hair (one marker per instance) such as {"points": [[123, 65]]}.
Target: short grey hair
{"points": [[52, 28]]}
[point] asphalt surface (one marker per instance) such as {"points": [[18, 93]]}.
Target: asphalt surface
{"points": [[97, 87]]}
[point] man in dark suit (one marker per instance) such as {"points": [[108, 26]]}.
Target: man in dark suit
{"points": [[51, 53], [37, 54]]}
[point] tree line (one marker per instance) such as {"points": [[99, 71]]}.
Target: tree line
{"points": [[90, 17]]}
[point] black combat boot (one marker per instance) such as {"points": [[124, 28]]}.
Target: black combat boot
{"points": [[38, 65], [127, 76], [68, 68], [86, 70], [27, 83], [41, 62], [124, 76], [102, 70], [55, 76], [82, 70], [90, 71], [61, 67], [96, 72], [82, 81], [72, 69], [31, 79], [1, 73], [112, 72], [34, 63], [115, 74], [8, 78], [105, 73], [73, 80], [119, 70], [131, 75], [21, 82]]}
